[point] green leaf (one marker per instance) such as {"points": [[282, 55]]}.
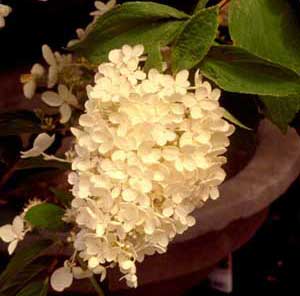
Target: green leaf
{"points": [[39, 162], [235, 70], [234, 120], [147, 23], [23, 258], [39, 288], [200, 5], [64, 197], [268, 29], [281, 110], [154, 59], [195, 39], [46, 215], [15, 123]]}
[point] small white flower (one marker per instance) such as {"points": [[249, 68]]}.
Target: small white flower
{"points": [[178, 85], [13, 233], [41, 143], [4, 12], [61, 279], [103, 7], [56, 62], [127, 58], [62, 99]]}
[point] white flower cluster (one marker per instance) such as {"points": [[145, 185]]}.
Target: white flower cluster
{"points": [[64, 99], [4, 12], [148, 152]]}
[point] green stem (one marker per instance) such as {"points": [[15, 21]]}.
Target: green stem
{"points": [[92, 279], [96, 286]]}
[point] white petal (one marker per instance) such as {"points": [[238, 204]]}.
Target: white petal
{"points": [[48, 55], [100, 230], [126, 264], [93, 262], [43, 141], [182, 76], [65, 112], [61, 279], [52, 99], [33, 152], [127, 50], [189, 101], [7, 234], [100, 5], [215, 94], [63, 91], [100, 270], [29, 89], [111, 3], [214, 193], [67, 95], [196, 112], [138, 50], [115, 56], [37, 70], [18, 225], [129, 195], [52, 76], [80, 33], [191, 221], [12, 246], [5, 10], [168, 212]]}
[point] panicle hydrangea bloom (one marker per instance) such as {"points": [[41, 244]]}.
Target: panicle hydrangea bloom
{"points": [[5, 10], [63, 99], [148, 152]]}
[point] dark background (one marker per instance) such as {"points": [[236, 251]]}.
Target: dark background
{"points": [[269, 264]]}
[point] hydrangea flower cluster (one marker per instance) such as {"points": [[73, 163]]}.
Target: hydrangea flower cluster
{"points": [[148, 152]]}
